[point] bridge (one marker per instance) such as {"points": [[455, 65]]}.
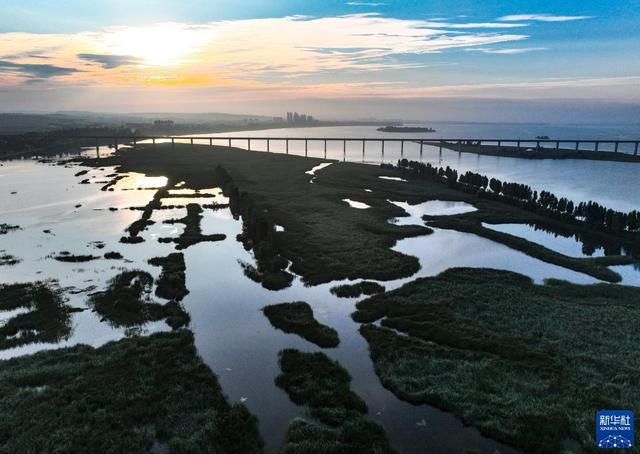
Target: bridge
{"points": [[605, 149]]}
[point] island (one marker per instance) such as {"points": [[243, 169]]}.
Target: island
{"points": [[405, 129]]}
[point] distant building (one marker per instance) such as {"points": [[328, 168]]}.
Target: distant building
{"points": [[295, 117]]}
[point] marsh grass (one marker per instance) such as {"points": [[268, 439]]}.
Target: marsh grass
{"points": [[70, 258], [6, 228], [527, 364], [356, 290], [126, 302], [171, 283], [192, 233], [122, 397], [339, 424], [298, 318], [48, 319], [8, 259]]}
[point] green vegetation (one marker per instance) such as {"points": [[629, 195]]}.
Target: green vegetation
{"points": [[356, 290], [112, 255], [66, 256], [298, 318], [339, 425], [8, 259], [48, 319], [259, 235], [145, 221], [527, 364], [192, 233], [126, 302], [171, 283], [140, 394], [6, 228]]}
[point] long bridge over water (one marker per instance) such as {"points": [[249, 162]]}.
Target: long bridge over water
{"points": [[626, 150]]}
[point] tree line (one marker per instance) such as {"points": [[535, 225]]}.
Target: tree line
{"points": [[591, 213]]}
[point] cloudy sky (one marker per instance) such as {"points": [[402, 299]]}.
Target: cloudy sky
{"points": [[209, 55]]}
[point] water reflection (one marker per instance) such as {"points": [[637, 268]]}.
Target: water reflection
{"points": [[430, 208], [566, 245]]}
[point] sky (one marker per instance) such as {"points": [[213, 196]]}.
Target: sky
{"points": [[377, 58]]}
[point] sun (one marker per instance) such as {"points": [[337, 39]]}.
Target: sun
{"points": [[157, 45]]}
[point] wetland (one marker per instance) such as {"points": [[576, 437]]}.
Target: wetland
{"points": [[295, 321]]}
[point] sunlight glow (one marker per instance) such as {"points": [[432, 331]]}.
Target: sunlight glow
{"points": [[158, 45]]}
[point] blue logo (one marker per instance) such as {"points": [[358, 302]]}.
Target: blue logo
{"points": [[614, 429]]}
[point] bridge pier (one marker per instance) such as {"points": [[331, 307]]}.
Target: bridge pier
{"points": [[363, 142], [615, 147], [577, 146], [115, 144], [248, 144], [421, 146], [499, 146], [402, 148], [306, 147], [344, 150], [597, 145], [382, 140], [173, 143], [325, 148], [210, 142], [557, 145], [229, 142], [518, 145], [268, 145]]}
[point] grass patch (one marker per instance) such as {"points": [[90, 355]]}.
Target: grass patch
{"points": [[8, 259], [192, 233], [71, 258], [298, 318], [339, 426], [171, 283], [48, 319], [6, 228], [356, 290], [123, 397], [527, 364], [126, 302]]}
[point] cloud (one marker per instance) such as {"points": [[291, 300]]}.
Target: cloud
{"points": [[541, 17], [34, 71], [110, 61], [257, 54], [507, 51]]}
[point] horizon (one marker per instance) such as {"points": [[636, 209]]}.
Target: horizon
{"points": [[384, 59]]}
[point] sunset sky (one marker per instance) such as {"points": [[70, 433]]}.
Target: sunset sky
{"points": [[208, 55]]}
